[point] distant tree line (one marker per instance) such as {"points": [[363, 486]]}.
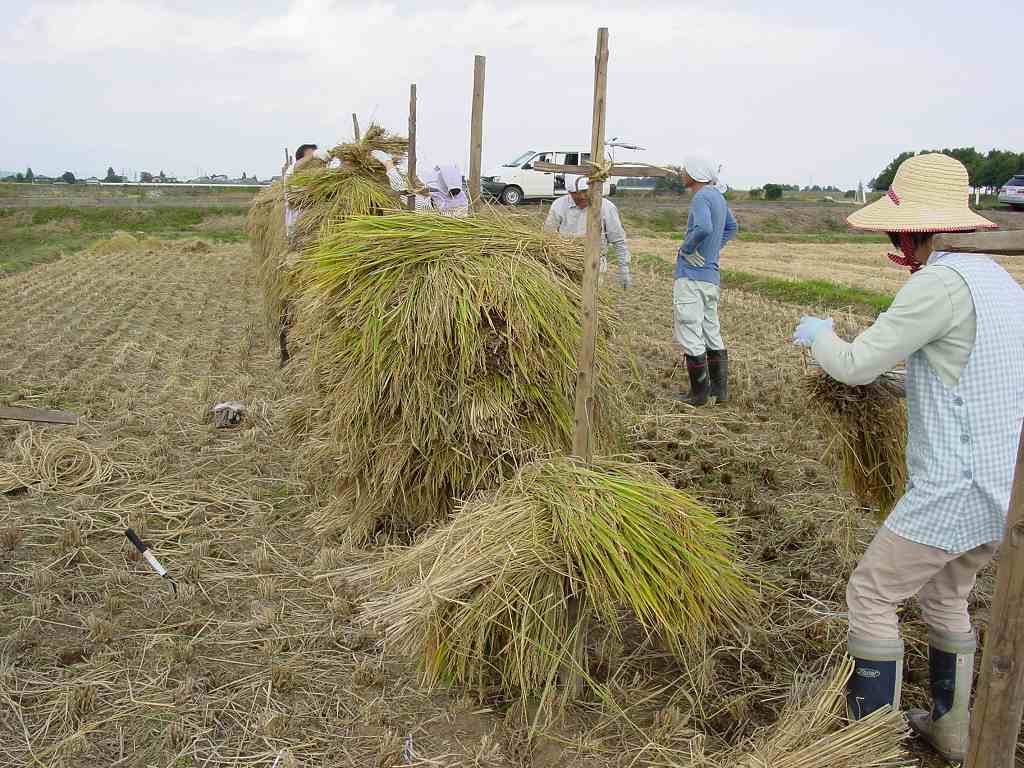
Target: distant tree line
{"points": [[112, 177], [989, 171]]}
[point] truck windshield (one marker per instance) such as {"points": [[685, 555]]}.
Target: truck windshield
{"points": [[520, 160]]}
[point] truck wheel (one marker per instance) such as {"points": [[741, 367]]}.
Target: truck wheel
{"points": [[511, 196]]}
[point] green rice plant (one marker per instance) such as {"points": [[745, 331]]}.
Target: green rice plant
{"points": [[511, 592], [441, 355], [865, 428], [329, 195]]}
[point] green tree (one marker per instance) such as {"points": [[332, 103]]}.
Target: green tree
{"points": [[884, 180], [756, 194], [146, 177], [68, 177], [670, 185], [20, 176], [772, 191], [29, 176], [162, 176], [111, 177], [998, 167]]}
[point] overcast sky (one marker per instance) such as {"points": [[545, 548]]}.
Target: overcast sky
{"points": [[790, 91]]}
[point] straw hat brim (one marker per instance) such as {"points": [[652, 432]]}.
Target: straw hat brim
{"points": [[884, 215]]}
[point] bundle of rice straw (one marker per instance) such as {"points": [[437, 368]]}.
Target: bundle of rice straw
{"points": [[510, 592], [320, 194], [441, 357], [813, 733], [866, 431]]}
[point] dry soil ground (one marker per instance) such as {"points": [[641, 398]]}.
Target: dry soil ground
{"points": [[102, 665]]}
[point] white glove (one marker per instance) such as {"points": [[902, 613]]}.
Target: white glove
{"points": [[809, 328], [380, 156]]}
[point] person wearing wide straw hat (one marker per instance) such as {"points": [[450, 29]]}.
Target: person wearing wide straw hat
{"points": [[957, 324], [697, 288]]}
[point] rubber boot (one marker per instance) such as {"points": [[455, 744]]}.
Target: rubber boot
{"points": [[700, 382], [718, 367], [877, 678], [286, 322], [951, 669]]}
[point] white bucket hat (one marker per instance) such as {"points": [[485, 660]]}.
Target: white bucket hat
{"points": [[929, 194]]}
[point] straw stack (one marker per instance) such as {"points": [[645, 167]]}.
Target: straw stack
{"points": [[866, 431], [320, 193], [439, 357], [517, 587]]}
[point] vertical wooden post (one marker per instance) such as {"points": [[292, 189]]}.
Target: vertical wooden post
{"points": [[355, 127], [476, 130], [284, 185], [995, 724], [584, 417], [413, 185]]}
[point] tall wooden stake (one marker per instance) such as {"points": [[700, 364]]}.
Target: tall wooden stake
{"points": [[476, 130], [995, 724], [355, 126], [412, 148], [584, 418], [284, 184]]}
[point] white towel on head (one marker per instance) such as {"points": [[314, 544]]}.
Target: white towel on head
{"points": [[700, 169]]}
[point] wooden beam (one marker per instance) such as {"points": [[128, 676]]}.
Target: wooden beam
{"points": [[16, 413], [584, 413], [617, 170], [413, 184], [1008, 243], [355, 127], [995, 724], [476, 130]]}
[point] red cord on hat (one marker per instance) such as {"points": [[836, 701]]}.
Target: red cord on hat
{"points": [[906, 259]]}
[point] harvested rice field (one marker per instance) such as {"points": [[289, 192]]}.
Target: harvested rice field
{"points": [[853, 265], [262, 657]]}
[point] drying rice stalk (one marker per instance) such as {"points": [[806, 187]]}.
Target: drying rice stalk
{"points": [[266, 230], [441, 357], [509, 591], [866, 431], [813, 733]]}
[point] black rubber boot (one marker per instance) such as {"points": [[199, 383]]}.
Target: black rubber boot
{"points": [[700, 381], [718, 367], [951, 669], [877, 677]]}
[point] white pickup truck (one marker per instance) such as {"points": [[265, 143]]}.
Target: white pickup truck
{"points": [[517, 181]]}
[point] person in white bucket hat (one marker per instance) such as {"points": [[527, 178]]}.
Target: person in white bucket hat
{"points": [[957, 323], [568, 216]]}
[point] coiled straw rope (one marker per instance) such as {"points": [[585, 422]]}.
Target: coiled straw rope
{"points": [[54, 463]]}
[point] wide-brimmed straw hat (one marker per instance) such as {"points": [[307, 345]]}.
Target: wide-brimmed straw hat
{"points": [[929, 194]]}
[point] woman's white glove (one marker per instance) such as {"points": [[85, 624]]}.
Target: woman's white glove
{"points": [[381, 156]]}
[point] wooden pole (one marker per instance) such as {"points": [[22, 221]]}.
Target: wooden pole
{"points": [[284, 185], [476, 130], [995, 724], [584, 416], [413, 185], [355, 127]]}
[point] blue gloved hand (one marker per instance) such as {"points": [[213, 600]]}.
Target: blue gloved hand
{"points": [[809, 329]]}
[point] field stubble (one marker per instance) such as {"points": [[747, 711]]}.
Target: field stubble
{"points": [[102, 665]]}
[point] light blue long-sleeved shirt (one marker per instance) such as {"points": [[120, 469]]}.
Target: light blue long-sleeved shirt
{"points": [[709, 226]]}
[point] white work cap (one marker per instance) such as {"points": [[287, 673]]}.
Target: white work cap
{"points": [[576, 183]]}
